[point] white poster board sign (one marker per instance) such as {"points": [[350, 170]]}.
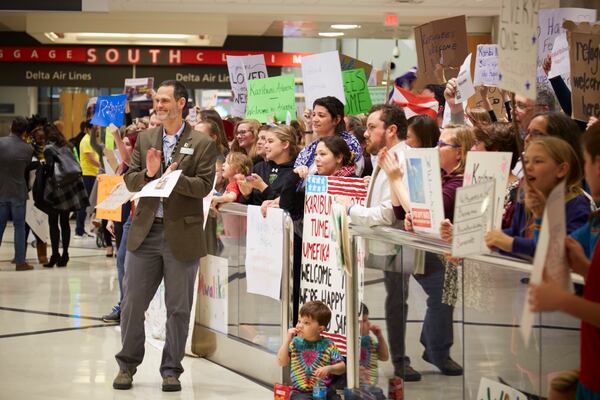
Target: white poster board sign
{"points": [[473, 213], [161, 187], [464, 83], [241, 69], [561, 64], [37, 220], [517, 47], [213, 293], [264, 251], [489, 389], [424, 182], [486, 65], [483, 166], [322, 76], [208, 98]]}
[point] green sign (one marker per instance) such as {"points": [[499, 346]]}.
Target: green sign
{"points": [[378, 94], [358, 100], [271, 96]]}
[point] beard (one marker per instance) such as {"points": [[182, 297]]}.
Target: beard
{"points": [[373, 147]]}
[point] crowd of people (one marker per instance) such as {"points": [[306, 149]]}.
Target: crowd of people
{"points": [[267, 164]]}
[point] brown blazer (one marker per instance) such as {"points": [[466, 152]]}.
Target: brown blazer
{"points": [[183, 214]]}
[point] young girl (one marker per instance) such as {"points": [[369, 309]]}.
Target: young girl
{"points": [[548, 161], [235, 163]]}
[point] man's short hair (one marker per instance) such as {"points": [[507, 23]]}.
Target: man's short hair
{"points": [[179, 89], [318, 311], [19, 126], [545, 98], [392, 115]]}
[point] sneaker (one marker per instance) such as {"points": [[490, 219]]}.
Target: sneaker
{"points": [[447, 366], [124, 380], [171, 384], [407, 373], [113, 317], [23, 267], [78, 237]]}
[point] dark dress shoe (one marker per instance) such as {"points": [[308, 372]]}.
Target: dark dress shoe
{"points": [[52, 262], [407, 373], [62, 262], [447, 366], [171, 384]]}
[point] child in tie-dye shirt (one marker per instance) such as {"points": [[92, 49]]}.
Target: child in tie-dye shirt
{"points": [[312, 357], [371, 351]]}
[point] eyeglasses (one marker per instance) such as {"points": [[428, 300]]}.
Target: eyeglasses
{"points": [[242, 133], [441, 144]]}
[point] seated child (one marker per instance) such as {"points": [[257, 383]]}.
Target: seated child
{"points": [[235, 163], [313, 358], [371, 351]]}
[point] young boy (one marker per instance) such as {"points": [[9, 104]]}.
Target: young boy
{"points": [[549, 296], [371, 351], [313, 357], [236, 163]]}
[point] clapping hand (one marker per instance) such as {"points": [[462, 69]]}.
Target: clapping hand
{"points": [[301, 171], [153, 159], [389, 162]]}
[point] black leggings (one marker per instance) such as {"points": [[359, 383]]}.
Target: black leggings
{"points": [[65, 231], [106, 234]]}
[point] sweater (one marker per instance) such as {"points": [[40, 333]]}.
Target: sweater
{"points": [[275, 176]]}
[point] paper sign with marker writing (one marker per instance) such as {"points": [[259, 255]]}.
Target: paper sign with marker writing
{"points": [[139, 89], [37, 220], [484, 166], [464, 83], [106, 185], [378, 94], [209, 98], [271, 97], [473, 213], [424, 181], [322, 76], [161, 187], [486, 65], [241, 70], [110, 109], [322, 278], [117, 197], [560, 57], [264, 252], [358, 99], [550, 25], [517, 47], [492, 390], [213, 293]]}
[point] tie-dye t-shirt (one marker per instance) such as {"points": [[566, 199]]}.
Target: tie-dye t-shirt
{"points": [[369, 350], [306, 357]]}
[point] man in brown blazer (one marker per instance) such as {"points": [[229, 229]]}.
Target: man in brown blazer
{"points": [[166, 235]]}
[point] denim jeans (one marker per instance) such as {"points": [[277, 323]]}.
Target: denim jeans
{"points": [[121, 252], [16, 209]]}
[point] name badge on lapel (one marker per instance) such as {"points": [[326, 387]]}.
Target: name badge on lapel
{"points": [[187, 150]]}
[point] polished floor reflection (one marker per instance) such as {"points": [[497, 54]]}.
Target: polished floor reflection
{"points": [[53, 344]]}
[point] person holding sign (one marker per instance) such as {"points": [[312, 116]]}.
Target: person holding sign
{"points": [[548, 161], [166, 237], [550, 296], [327, 120]]}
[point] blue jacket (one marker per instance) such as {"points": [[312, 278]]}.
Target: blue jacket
{"points": [[588, 234]]}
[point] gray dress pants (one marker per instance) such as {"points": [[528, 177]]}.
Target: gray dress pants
{"points": [[144, 270]]}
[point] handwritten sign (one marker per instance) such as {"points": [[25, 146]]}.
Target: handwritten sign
{"points": [[486, 65], [464, 83], [441, 48], [110, 109], [321, 276], [139, 89], [560, 58], [358, 99], [473, 213], [209, 98], [264, 252], [106, 185], [425, 189], [119, 196], [550, 26], [271, 96], [161, 187], [492, 390], [347, 63], [37, 220], [482, 166], [378, 94], [517, 47], [241, 70], [322, 76], [584, 44], [213, 293]]}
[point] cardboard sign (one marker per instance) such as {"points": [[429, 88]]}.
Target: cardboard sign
{"points": [[486, 65], [110, 110], [473, 214], [321, 276], [241, 70], [106, 184], [378, 94], [358, 99], [271, 96], [139, 89], [424, 180], [322, 76], [517, 47], [492, 390], [496, 99], [441, 49], [464, 83], [347, 63], [550, 25], [584, 42], [482, 166]]}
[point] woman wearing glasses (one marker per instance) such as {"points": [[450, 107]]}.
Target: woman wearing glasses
{"points": [[246, 136]]}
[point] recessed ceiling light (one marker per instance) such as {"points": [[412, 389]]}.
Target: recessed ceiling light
{"points": [[331, 34], [345, 26]]}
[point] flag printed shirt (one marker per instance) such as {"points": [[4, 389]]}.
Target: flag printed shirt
{"points": [[306, 357]]}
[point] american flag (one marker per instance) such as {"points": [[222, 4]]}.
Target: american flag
{"points": [[414, 104], [339, 340], [353, 187]]}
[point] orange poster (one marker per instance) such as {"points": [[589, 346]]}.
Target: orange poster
{"points": [[106, 184]]}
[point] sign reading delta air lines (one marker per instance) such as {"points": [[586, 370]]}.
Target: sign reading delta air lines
{"points": [[140, 55]]}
